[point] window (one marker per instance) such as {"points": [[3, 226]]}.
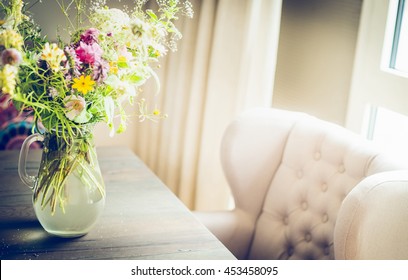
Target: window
{"points": [[385, 121], [395, 52], [388, 130]]}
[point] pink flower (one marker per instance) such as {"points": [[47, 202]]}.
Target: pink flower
{"points": [[90, 36], [74, 106], [89, 54]]}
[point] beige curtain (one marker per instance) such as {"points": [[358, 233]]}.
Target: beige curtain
{"points": [[225, 63]]}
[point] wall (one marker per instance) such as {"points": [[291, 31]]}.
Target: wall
{"points": [[315, 56], [370, 84]]}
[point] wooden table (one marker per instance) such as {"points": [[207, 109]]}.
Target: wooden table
{"points": [[142, 218]]}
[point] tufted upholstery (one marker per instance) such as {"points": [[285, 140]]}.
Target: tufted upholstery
{"points": [[289, 174]]}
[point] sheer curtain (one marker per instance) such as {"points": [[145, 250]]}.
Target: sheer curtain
{"points": [[225, 63]]}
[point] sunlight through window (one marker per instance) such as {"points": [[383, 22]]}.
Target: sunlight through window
{"points": [[395, 53], [388, 130]]}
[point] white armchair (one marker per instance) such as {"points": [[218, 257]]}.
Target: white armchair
{"points": [[373, 220], [289, 174]]}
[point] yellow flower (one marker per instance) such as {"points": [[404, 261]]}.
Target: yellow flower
{"points": [[122, 59], [17, 7], [113, 67], [156, 112], [53, 55], [11, 39], [83, 84], [8, 76]]}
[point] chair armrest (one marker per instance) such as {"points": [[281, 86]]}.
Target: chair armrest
{"points": [[233, 228], [372, 222]]}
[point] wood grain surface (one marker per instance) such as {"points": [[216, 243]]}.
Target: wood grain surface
{"points": [[142, 218]]}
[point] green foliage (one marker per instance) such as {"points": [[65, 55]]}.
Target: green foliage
{"points": [[69, 85]]}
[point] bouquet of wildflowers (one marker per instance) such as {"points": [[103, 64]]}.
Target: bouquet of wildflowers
{"points": [[69, 86], [90, 78]]}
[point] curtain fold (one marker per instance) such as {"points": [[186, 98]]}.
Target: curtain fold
{"points": [[241, 75], [225, 63]]}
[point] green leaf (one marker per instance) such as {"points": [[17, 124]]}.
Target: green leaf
{"points": [[123, 64], [151, 14], [135, 79], [83, 117]]}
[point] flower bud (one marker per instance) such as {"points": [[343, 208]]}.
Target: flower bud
{"points": [[11, 56]]}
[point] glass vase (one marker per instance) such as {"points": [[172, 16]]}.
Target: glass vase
{"points": [[68, 192]]}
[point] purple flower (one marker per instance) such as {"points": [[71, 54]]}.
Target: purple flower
{"points": [[90, 36], [11, 56], [89, 54], [100, 70], [73, 63]]}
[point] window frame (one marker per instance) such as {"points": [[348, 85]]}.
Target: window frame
{"points": [[392, 36]]}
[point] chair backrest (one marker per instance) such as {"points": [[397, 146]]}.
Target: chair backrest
{"points": [[291, 172]]}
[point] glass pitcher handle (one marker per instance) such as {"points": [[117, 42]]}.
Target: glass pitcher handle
{"points": [[22, 170]]}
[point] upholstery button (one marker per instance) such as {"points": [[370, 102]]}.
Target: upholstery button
{"points": [[304, 205], [324, 187], [308, 237], [285, 220], [341, 168], [325, 218], [290, 251], [300, 174], [317, 155]]}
